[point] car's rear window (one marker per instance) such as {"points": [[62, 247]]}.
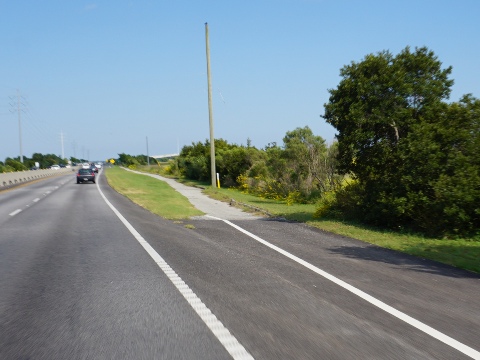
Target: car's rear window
{"points": [[84, 172]]}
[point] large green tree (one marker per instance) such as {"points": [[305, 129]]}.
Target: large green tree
{"points": [[392, 121], [441, 170], [377, 102]]}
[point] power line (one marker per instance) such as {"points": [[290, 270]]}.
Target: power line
{"points": [[19, 106], [42, 132], [33, 130]]}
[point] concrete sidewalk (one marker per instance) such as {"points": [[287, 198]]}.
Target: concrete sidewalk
{"points": [[203, 203]]}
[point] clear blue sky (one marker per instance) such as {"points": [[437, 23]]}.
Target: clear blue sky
{"points": [[107, 74]]}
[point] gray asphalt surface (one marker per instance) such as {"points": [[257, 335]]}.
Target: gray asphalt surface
{"points": [[443, 297], [75, 284]]}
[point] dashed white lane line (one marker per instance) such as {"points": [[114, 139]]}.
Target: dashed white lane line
{"points": [[474, 354], [231, 344], [28, 205], [13, 213]]}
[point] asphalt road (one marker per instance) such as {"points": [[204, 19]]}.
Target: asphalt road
{"points": [[76, 283]]}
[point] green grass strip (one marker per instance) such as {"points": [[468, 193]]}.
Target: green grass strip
{"points": [[152, 194]]}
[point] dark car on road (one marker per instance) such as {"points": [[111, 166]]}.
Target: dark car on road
{"points": [[85, 175]]}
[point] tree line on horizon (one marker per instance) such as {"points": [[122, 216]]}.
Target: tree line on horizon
{"points": [[44, 161]]}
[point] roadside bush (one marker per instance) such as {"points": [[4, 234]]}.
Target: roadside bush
{"points": [[15, 165], [171, 168], [325, 206], [343, 202], [196, 168]]}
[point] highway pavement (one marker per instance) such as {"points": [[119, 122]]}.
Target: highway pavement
{"points": [[87, 274]]}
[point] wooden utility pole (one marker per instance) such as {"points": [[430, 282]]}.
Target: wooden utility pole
{"points": [[210, 112]]}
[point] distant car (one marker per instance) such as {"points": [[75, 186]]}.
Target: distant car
{"points": [[85, 175], [86, 166], [98, 165], [93, 168], [55, 167]]}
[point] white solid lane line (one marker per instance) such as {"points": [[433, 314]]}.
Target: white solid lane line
{"points": [[474, 354], [231, 344]]}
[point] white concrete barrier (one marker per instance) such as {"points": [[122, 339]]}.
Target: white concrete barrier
{"points": [[18, 177]]}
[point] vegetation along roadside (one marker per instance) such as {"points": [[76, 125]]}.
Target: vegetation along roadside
{"points": [[161, 199], [403, 171]]}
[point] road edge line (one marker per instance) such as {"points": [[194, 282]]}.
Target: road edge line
{"points": [[229, 342], [457, 345]]}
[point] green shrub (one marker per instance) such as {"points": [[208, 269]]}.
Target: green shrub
{"points": [[15, 165]]}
